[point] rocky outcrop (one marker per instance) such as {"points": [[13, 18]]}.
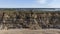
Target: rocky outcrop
{"points": [[29, 20]]}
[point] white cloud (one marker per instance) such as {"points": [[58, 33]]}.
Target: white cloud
{"points": [[42, 1], [48, 3], [55, 4]]}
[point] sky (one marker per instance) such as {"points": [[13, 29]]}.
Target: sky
{"points": [[29, 3]]}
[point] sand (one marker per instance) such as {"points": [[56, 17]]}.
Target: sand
{"points": [[26, 31]]}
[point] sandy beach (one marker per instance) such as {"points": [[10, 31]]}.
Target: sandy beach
{"points": [[26, 31]]}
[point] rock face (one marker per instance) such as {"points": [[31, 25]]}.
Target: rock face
{"points": [[29, 20]]}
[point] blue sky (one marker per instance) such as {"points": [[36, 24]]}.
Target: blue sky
{"points": [[29, 3]]}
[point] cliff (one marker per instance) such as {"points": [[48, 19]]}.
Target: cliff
{"points": [[28, 19]]}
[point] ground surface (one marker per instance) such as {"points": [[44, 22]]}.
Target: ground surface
{"points": [[17, 31]]}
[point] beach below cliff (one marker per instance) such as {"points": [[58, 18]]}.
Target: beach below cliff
{"points": [[27, 31]]}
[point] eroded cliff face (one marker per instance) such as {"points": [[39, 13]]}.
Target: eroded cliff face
{"points": [[29, 20]]}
